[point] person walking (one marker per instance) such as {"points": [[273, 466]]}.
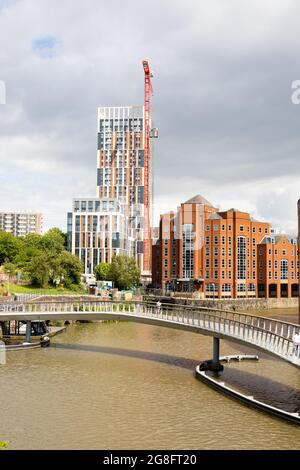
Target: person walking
{"points": [[158, 305], [296, 344]]}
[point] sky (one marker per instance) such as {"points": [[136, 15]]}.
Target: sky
{"points": [[223, 75]]}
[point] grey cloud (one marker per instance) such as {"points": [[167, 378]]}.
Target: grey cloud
{"points": [[222, 87]]}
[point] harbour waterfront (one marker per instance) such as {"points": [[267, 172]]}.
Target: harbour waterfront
{"points": [[122, 385]]}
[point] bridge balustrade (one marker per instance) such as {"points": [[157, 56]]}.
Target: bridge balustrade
{"points": [[270, 334]]}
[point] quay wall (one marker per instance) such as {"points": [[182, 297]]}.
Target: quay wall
{"points": [[231, 304]]}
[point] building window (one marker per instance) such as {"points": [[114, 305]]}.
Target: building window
{"points": [[241, 288], [241, 228], [216, 239], [188, 250], [216, 227], [241, 258], [207, 228], [207, 251], [207, 240], [226, 288], [284, 269], [212, 288], [216, 251], [216, 262], [216, 275], [229, 227]]}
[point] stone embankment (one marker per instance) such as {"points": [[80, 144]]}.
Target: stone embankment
{"points": [[230, 304]]}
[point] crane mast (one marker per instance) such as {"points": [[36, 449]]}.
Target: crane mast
{"points": [[147, 167]]}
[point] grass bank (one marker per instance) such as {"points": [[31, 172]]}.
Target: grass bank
{"points": [[19, 289]]}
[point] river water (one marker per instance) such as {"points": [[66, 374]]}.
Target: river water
{"points": [[118, 385]]}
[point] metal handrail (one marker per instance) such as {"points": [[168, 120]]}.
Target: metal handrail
{"points": [[163, 305], [277, 334]]}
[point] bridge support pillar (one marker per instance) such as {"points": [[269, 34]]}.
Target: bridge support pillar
{"points": [[213, 364], [216, 365], [28, 331]]}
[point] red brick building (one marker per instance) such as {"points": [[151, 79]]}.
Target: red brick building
{"points": [[224, 254]]}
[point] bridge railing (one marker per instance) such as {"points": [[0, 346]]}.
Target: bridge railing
{"points": [[271, 334], [275, 336]]}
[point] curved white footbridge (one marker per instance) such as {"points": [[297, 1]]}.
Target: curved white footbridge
{"points": [[271, 336]]}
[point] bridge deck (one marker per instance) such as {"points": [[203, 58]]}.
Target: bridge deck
{"points": [[269, 335]]}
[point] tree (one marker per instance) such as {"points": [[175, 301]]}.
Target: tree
{"points": [[39, 269], [9, 268], [32, 240], [54, 239], [30, 246], [9, 247], [49, 268], [70, 268], [124, 272], [102, 272]]}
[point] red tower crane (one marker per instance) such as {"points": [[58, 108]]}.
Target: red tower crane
{"points": [[147, 167]]}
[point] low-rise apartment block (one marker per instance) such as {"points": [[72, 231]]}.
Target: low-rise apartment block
{"points": [[21, 223]]}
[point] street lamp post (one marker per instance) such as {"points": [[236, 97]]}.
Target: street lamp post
{"points": [[213, 288]]}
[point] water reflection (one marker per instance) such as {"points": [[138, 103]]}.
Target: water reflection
{"points": [[146, 355], [131, 386], [264, 389]]}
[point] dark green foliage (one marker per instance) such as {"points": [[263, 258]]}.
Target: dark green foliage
{"points": [[9, 247], [124, 272], [42, 259], [102, 272]]}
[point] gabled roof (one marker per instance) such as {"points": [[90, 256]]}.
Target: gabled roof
{"points": [[215, 216], [198, 199]]}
